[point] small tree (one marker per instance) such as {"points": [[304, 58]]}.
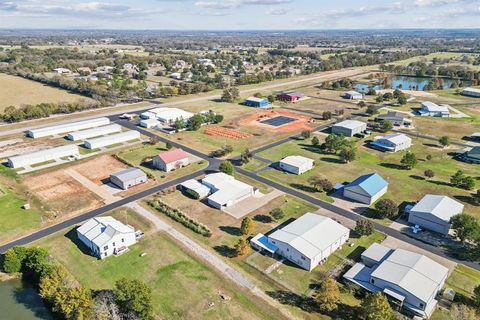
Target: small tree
{"points": [[386, 208], [362, 104], [465, 226], [327, 115], [444, 141], [371, 110], [386, 126], [195, 122], [242, 248], [364, 227], [476, 295], [246, 156], [13, 259], [315, 141], [348, 154], [402, 100], [376, 307], [306, 134], [247, 226], [409, 161], [476, 197], [460, 180], [227, 167], [429, 157], [277, 214], [328, 295], [429, 173], [168, 146], [334, 142]]}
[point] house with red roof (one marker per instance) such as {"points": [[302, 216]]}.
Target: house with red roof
{"points": [[170, 160]]}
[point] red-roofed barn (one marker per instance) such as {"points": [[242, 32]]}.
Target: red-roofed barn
{"points": [[170, 160]]}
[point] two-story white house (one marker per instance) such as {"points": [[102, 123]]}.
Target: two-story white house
{"points": [[105, 236]]}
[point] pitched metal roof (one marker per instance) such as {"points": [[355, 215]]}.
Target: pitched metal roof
{"points": [[371, 183], [128, 174], [173, 155], [296, 161], [442, 207], [350, 124], [101, 229], [310, 234]]}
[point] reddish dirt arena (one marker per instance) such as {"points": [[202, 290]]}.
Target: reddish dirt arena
{"points": [[226, 133], [301, 122]]}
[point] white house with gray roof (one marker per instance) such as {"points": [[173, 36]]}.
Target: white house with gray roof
{"points": [[393, 142], [296, 164], [409, 280], [434, 212], [309, 240], [105, 236]]}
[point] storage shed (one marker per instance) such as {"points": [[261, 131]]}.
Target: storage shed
{"points": [[67, 127], [353, 95], [112, 139], [366, 189], [257, 102], [149, 123], [42, 156], [296, 164], [434, 212], [349, 128], [94, 132], [128, 178]]}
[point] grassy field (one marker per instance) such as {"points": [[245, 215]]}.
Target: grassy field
{"points": [[13, 219], [405, 185], [173, 275], [16, 91]]}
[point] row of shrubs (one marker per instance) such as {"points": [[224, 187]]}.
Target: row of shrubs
{"points": [[180, 217]]}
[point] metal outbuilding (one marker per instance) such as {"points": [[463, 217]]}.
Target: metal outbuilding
{"points": [[112, 139], [28, 159], [128, 178], [67, 127], [94, 132]]}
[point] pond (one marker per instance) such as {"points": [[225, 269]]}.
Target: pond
{"points": [[407, 83], [22, 302]]}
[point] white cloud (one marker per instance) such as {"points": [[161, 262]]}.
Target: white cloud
{"points": [[232, 4], [276, 11]]}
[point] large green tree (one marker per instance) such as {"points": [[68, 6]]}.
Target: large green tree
{"points": [[328, 294], [134, 297], [465, 226], [376, 307]]}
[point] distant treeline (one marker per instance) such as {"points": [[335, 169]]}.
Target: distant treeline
{"points": [[43, 110]]}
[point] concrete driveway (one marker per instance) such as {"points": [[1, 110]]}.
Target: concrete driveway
{"points": [[251, 204], [341, 201]]}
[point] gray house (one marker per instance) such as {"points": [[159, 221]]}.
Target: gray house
{"points": [[410, 281], [349, 128], [128, 178], [434, 212], [398, 119]]}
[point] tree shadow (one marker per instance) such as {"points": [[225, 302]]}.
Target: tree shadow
{"points": [[440, 183], [331, 160], [225, 251], [467, 199], [28, 296], [413, 176], [233, 231], [433, 145], [263, 218], [303, 187], [307, 304], [392, 166]]}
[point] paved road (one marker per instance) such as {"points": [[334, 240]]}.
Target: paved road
{"points": [[198, 250]]}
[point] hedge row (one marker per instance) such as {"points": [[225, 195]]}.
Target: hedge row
{"points": [[180, 217]]}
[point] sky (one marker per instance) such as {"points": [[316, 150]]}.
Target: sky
{"points": [[238, 14]]}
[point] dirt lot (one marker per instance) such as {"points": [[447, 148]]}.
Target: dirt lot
{"points": [[302, 122], [99, 169], [61, 193], [16, 91]]}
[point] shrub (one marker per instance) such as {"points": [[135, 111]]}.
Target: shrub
{"points": [[241, 248], [180, 217], [364, 227], [227, 167], [277, 214], [13, 259], [429, 173], [192, 194]]}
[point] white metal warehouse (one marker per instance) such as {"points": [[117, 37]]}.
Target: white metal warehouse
{"points": [[42, 156], [94, 132], [112, 139], [67, 127]]}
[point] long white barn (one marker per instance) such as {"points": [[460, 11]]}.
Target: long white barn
{"points": [[112, 139], [32, 158], [94, 132], [67, 127]]}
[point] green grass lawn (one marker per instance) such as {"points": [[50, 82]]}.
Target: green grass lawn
{"points": [[405, 185], [182, 287], [13, 219], [254, 165], [463, 280], [300, 280]]}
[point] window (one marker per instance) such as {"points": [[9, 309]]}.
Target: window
{"points": [[303, 258], [288, 250], [123, 240], [113, 244], [372, 281], [105, 248], [422, 305]]}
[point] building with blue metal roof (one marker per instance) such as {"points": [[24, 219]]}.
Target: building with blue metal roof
{"points": [[366, 189], [257, 102]]}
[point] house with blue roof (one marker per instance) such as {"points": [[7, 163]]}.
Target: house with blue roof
{"points": [[366, 189]]}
